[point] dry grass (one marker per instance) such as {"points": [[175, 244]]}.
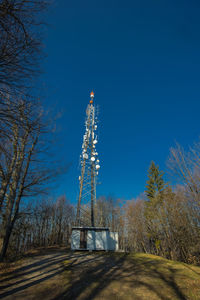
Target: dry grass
{"points": [[132, 276], [65, 275]]}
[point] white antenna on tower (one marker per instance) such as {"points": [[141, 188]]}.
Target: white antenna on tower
{"points": [[89, 169]]}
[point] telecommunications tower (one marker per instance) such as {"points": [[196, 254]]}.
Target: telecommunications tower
{"points": [[89, 169]]}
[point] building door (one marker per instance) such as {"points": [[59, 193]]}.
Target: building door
{"points": [[83, 239]]}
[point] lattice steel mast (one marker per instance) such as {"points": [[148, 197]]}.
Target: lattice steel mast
{"points": [[89, 169]]}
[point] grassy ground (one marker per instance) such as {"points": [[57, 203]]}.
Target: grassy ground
{"points": [[138, 276], [61, 275]]}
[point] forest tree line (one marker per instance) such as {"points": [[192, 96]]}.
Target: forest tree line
{"points": [[164, 221]]}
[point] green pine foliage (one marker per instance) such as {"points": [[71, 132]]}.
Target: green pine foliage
{"points": [[155, 183], [155, 193]]}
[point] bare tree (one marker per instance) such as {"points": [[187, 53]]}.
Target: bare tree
{"points": [[43, 223], [20, 42], [136, 226], [187, 166], [23, 169]]}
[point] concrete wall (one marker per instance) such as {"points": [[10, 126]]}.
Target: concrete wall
{"points": [[113, 241], [96, 240], [75, 240]]}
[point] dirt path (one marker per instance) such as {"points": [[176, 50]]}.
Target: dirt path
{"points": [[42, 276], [59, 275], [35, 276]]}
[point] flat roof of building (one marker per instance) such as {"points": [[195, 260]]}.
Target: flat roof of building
{"points": [[89, 228]]}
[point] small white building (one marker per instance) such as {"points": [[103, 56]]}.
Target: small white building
{"points": [[94, 238]]}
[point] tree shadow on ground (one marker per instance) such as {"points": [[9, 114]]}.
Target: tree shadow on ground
{"points": [[35, 273], [90, 275], [91, 279]]}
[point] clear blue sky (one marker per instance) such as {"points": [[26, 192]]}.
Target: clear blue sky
{"points": [[142, 59]]}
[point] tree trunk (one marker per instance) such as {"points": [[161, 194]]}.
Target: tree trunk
{"points": [[6, 241]]}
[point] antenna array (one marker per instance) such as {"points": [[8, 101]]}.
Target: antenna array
{"points": [[89, 169]]}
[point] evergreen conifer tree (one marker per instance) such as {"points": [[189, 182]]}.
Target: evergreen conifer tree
{"points": [[154, 190], [155, 184]]}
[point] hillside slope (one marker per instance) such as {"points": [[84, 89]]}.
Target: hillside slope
{"points": [[65, 275]]}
